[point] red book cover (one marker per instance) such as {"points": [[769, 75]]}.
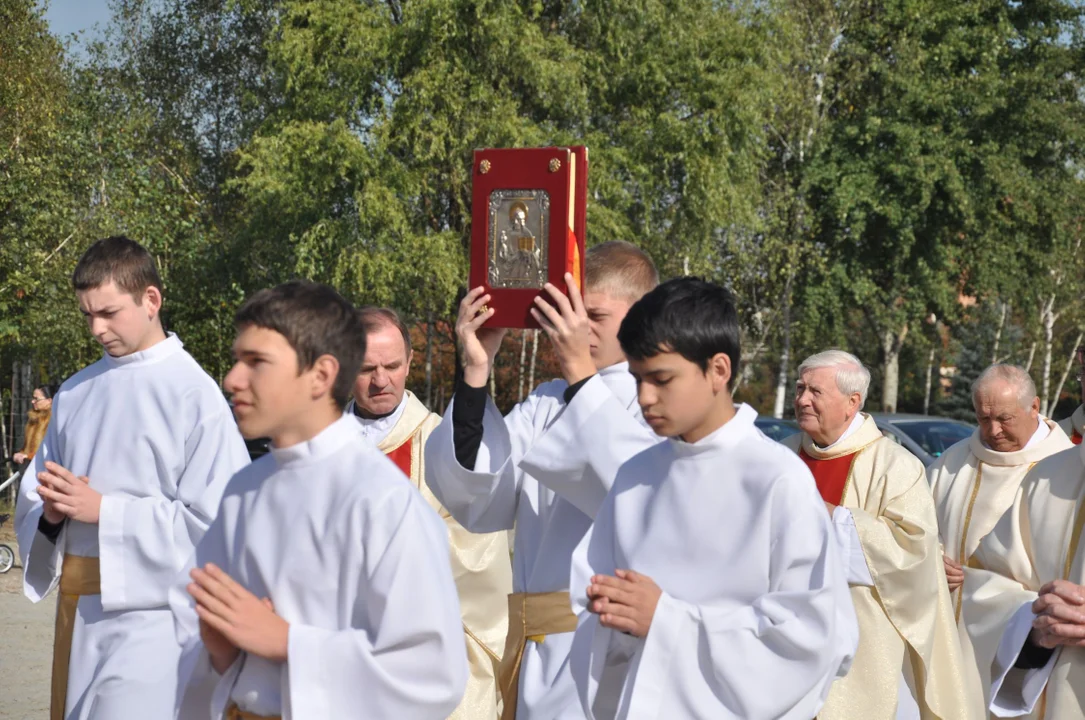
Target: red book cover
{"points": [[526, 205]]}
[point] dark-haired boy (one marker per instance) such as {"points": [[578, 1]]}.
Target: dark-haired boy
{"points": [[139, 449], [323, 588], [709, 585]]}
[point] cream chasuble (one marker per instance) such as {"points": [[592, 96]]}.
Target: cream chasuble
{"points": [[905, 619], [973, 486], [480, 565], [1036, 541], [1074, 426]]}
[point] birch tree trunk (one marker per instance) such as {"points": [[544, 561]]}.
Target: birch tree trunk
{"points": [[1047, 317], [785, 364], [1065, 374], [892, 342], [523, 364], [429, 360], [1031, 356], [534, 357], [927, 387], [1003, 308]]}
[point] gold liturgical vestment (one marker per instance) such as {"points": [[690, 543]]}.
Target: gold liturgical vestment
{"points": [[973, 486], [480, 566], [1036, 541], [905, 619]]}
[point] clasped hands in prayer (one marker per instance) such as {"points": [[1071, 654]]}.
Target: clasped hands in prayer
{"points": [[625, 602], [1060, 615], [564, 319], [65, 495], [232, 619]]}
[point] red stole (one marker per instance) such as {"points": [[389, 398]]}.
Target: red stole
{"points": [[1076, 437], [830, 475], [401, 456]]}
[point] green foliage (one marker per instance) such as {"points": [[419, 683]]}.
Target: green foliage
{"points": [[848, 167]]}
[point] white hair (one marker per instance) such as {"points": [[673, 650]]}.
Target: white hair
{"points": [[1015, 376], [851, 375]]}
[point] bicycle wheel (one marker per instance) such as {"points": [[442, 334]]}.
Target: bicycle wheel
{"points": [[7, 558]]}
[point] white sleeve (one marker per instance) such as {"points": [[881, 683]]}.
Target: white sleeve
{"points": [[144, 542], [404, 656], [40, 557], [482, 499], [197, 680], [1013, 699], [776, 657], [851, 549], [579, 453]]}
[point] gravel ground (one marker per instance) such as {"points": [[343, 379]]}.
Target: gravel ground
{"points": [[26, 646]]}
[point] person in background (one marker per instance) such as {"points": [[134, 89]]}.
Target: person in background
{"points": [[37, 420]]}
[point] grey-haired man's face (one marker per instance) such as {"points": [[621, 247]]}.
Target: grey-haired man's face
{"points": [[380, 385], [1005, 425]]}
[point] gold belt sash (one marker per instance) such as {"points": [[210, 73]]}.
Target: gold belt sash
{"points": [[78, 576], [233, 712], [532, 616]]}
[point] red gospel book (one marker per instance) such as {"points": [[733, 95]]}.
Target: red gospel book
{"points": [[527, 226]]}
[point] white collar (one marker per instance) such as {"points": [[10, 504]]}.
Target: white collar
{"points": [[856, 423], [727, 435], [326, 442], [622, 367], [377, 429], [159, 351]]}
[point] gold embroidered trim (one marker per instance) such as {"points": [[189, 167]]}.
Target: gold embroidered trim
{"points": [[493, 656], [964, 534], [840, 454], [851, 473], [1075, 540], [405, 440]]}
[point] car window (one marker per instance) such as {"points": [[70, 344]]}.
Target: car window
{"points": [[776, 430], [886, 432], [935, 436]]}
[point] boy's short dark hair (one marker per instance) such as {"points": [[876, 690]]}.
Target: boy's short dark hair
{"points": [[375, 318], [315, 320], [688, 316], [120, 259]]}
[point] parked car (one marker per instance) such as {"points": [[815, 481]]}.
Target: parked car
{"points": [[926, 436], [776, 429]]}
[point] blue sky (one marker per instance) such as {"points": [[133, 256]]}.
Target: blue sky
{"points": [[69, 16]]}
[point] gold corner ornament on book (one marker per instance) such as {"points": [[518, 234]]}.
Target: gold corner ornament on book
{"points": [[528, 219]]}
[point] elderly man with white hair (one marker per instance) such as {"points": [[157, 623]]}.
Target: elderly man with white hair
{"points": [[883, 514], [1024, 595], [975, 481]]}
